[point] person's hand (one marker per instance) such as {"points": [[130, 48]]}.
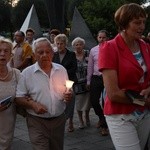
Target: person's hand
{"points": [[68, 96], [4, 107], [38, 107], [28, 98], [146, 94]]}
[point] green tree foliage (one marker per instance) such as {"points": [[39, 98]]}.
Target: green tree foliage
{"points": [[99, 14]]}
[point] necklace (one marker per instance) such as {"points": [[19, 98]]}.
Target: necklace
{"points": [[4, 78]]}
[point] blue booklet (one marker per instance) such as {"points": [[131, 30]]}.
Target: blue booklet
{"points": [[6, 100]]}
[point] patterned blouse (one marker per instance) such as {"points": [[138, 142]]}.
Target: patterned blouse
{"points": [[81, 74]]}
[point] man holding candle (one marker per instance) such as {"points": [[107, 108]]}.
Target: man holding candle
{"points": [[45, 82]]}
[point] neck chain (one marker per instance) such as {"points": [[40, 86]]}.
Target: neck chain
{"points": [[6, 76]]}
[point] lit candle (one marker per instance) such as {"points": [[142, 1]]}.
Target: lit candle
{"points": [[69, 84]]}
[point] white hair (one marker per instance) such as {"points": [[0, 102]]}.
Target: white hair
{"points": [[78, 39], [42, 39], [61, 37]]}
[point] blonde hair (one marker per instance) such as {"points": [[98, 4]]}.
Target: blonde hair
{"points": [[7, 41], [61, 37]]}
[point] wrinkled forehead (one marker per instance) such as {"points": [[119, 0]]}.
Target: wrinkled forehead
{"points": [[18, 34], [6, 45], [43, 45]]}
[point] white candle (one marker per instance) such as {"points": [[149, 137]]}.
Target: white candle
{"points": [[69, 84]]}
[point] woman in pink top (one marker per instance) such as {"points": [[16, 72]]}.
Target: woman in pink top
{"points": [[125, 64]]}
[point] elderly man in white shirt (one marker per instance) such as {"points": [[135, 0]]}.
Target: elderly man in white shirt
{"points": [[44, 82]]}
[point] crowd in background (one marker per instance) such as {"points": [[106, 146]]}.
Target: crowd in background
{"points": [[35, 72]]}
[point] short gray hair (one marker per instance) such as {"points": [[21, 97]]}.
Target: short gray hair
{"points": [[78, 39], [61, 37], [42, 39]]}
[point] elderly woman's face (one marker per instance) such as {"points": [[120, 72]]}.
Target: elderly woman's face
{"points": [[136, 28], [61, 45], [78, 46], [5, 53]]}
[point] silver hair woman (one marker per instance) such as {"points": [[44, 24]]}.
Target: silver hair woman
{"points": [[82, 94], [66, 58]]}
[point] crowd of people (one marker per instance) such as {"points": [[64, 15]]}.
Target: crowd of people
{"points": [[33, 74]]}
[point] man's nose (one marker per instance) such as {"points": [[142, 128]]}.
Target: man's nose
{"points": [[58, 45], [44, 53]]}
